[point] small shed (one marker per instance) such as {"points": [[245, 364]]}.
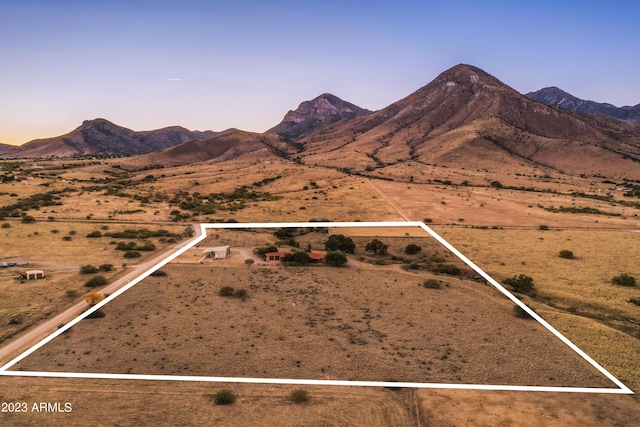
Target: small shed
{"points": [[218, 252], [32, 274], [317, 257]]}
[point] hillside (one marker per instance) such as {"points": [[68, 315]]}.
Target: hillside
{"points": [[101, 137], [229, 146], [561, 99], [467, 118]]}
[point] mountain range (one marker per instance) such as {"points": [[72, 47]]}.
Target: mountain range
{"points": [[561, 99], [465, 117], [101, 137]]}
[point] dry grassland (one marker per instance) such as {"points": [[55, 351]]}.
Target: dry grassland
{"points": [[359, 323], [118, 403], [482, 206], [575, 295], [40, 245]]}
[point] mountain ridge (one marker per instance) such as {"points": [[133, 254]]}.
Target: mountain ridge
{"points": [[556, 97]]}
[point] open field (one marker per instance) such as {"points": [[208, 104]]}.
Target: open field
{"points": [[580, 302], [370, 322], [58, 248], [574, 295]]}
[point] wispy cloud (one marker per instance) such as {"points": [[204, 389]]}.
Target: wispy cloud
{"points": [[173, 80]]}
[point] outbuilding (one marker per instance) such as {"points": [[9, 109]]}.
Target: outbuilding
{"points": [[32, 274], [218, 252]]}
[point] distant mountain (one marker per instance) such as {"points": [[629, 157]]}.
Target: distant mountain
{"points": [[316, 114], [229, 146], [5, 148], [559, 98], [101, 137], [467, 118]]}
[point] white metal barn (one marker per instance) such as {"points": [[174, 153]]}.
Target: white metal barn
{"points": [[218, 252]]}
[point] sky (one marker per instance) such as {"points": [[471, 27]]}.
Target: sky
{"points": [[213, 65]]}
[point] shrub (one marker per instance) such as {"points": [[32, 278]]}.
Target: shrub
{"points": [[95, 233], [624, 280], [427, 220], [28, 219], [226, 291], [96, 281], [566, 254], [88, 269], [299, 396], [126, 246], [543, 227], [449, 269], [148, 246], [265, 249], [71, 293], [432, 284], [158, 273], [224, 397], [240, 293], [300, 258], [132, 254], [519, 312], [66, 238], [521, 283], [412, 248], [6, 225], [98, 314], [105, 267], [635, 300], [249, 262]]}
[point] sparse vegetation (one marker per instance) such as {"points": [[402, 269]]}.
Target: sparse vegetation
{"points": [[449, 269], [412, 249], [521, 283], [88, 269], [224, 397], [624, 279], [432, 284], [565, 253], [96, 281], [299, 396]]}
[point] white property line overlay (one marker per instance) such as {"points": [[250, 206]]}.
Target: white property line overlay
{"points": [[203, 227]]}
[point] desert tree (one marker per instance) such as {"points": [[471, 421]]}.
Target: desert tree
{"points": [[377, 247], [339, 242], [336, 258]]}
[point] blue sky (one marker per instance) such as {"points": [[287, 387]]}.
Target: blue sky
{"points": [[244, 64]]}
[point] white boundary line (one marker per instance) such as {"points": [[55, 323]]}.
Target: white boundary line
{"points": [[621, 390]]}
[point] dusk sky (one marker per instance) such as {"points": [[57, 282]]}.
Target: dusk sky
{"points": [[244, 64]]}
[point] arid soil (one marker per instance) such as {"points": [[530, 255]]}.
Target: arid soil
{"points": [[373, 323]]}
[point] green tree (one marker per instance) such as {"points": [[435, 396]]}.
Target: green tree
{"points": [[336, 258], [377, 247], [338, 242]]}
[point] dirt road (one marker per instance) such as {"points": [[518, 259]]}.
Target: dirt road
{"points": [[30, 337]]}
